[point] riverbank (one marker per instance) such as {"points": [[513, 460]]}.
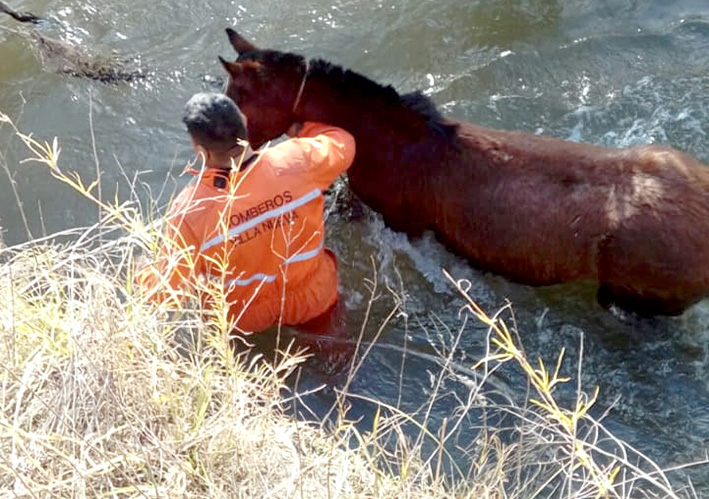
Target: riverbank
{"points": [[106, 396]]}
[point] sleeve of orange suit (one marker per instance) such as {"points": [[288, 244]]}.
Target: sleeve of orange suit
{"points": [[172, 274], [329, 151]]}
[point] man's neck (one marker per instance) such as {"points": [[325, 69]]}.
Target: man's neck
{"points": [[239, 157]]}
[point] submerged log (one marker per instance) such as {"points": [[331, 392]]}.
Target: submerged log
{"points": [[67, 58], [23, 17]]}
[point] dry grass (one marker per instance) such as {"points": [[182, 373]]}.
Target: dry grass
{"points": [[100, 398]]}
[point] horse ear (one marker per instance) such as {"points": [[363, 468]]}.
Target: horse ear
{"points": [[233, 68], [238, 69], [239, 42]]}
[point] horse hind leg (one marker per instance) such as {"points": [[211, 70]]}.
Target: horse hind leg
{"points": [[641, 305], [646, 271]]}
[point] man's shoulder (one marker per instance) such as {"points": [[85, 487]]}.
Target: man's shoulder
{"points": [[193, 201], [287, 157], [185, 196]]}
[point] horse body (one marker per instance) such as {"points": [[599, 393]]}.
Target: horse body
{"points": [[538, 210]]}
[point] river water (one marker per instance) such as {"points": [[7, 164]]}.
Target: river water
{"points": [[609, 72]]}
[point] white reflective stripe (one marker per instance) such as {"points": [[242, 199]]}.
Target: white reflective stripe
{"points": [[246, 282], [301, 257], [296, 203]]}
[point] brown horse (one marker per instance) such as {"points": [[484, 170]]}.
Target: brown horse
{"points": [[537, 210]]}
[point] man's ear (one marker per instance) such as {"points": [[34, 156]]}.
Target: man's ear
{"points": [[199, 149]]}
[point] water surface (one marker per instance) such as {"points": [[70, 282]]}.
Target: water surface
{"points": [[615, 73]]}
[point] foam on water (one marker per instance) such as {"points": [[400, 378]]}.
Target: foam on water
{"points": [[653, 110], [429, 258]]}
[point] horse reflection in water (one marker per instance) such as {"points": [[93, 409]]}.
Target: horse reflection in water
{"points": [[535, 209]]}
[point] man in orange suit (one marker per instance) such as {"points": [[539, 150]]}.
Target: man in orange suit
{"points": [[253, 221]]}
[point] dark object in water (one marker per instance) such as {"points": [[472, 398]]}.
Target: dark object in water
{"points": [[64, 57], [537, 210], [23, 17]]}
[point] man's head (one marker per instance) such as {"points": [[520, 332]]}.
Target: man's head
{"points": [[215, 123]]}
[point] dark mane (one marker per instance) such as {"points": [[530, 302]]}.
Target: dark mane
{"points": [[417, 101], [424, 106], [352, 83], [272, 57]]}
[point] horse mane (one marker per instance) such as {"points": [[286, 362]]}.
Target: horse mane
{"points": [[274, 57], [418, 102], [351, 84]]}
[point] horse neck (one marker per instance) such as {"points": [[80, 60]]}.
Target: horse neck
{"points": [[367, 118], [394, 147]]}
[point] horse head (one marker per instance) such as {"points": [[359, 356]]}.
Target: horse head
{"points": [[266, 85]]}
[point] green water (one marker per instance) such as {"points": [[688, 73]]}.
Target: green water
{"points": [[611, 72]]}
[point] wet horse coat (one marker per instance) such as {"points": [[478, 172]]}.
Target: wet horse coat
{"points": [[535, 209]]}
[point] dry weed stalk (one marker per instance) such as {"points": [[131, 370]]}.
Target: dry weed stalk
{"points": [[589, 460]]}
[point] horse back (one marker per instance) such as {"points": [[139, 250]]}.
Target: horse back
{"points": [[542, 210]]}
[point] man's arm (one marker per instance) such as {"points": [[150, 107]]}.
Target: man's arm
{"points": [[328, 150], [165, 280]]}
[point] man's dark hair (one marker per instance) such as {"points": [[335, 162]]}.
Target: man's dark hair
{"points": [[214, 121]]}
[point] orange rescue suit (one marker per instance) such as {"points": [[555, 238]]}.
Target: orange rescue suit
{"points": [[258, 232]]}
